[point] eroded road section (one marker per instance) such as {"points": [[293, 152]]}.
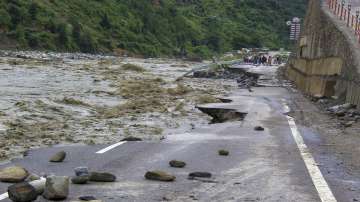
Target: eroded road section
{"points": [[273, 164]]}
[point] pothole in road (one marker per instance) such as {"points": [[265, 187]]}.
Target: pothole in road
{"points": [[221, 115]]}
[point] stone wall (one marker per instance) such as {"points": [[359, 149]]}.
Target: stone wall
{"points": [[327, 57]]}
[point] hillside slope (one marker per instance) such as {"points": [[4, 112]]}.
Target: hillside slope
{"points": [[147, 27]]}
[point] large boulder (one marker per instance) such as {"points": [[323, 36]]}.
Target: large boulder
{"points": [[102, 177], [22, 192], [13, 174], [56, 188], [158, 175], [58, 157]]}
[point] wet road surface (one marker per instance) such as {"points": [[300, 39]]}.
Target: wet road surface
{"points": [[262, 165]]}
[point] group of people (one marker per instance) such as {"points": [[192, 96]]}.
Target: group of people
{"points": [[263, 60]]}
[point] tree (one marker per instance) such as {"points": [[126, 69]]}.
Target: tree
{"points": [[105, 22], [33, 10]]}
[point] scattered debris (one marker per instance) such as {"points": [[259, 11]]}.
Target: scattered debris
{"points": [[159, 176], [203, 180], [80, 179], [259, 128], [58, 157], [177, 164], [102, 177], [131, 139], [13, 174], [87, 198], [348, 124], [223, 152], [22, 192], [82, 171], [200, 174], [56, 188]]}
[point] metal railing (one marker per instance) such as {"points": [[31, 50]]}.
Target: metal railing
{"points": [[345, 13]]}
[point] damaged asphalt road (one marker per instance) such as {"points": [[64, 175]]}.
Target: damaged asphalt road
{"points": [[261, 165]]}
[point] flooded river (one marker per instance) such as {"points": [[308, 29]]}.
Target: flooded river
{"points": [[61, 99]]}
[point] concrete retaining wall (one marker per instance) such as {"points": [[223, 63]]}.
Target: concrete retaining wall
{"points": [[328, 56]]}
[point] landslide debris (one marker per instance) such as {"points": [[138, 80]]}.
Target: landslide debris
{"points": [[159, 176]]}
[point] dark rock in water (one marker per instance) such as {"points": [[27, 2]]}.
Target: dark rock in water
{"points": [[56, 188], [80, 179], [58, 157], [81, 171], [200, 174], [177, 164], [87, 198], [131, 139], [22, 192], [223, 152], [259, 128], [13, 174], [102, 177], [159, 176]]}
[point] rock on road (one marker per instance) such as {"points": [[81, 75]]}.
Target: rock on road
{"points": [[262, 165]]}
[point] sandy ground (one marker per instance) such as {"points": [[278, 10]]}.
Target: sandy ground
{"points": [[97, 101]]}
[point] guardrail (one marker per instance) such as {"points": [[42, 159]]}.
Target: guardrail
{"points": [[345, 13]]}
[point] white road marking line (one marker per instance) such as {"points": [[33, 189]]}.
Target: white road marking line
{"points": [[110, 147], [318, 179], [4, 196]]}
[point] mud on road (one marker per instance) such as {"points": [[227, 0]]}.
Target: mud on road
{"points": [[64, 99]]}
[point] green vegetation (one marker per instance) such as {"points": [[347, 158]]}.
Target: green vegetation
{"points": [[192, 28]]}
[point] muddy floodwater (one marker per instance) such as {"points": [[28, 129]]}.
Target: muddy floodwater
{"points": [[55, 100]]}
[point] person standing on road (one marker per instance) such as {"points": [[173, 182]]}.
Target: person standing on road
{"points": [[270, 60], [263, 60]]}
